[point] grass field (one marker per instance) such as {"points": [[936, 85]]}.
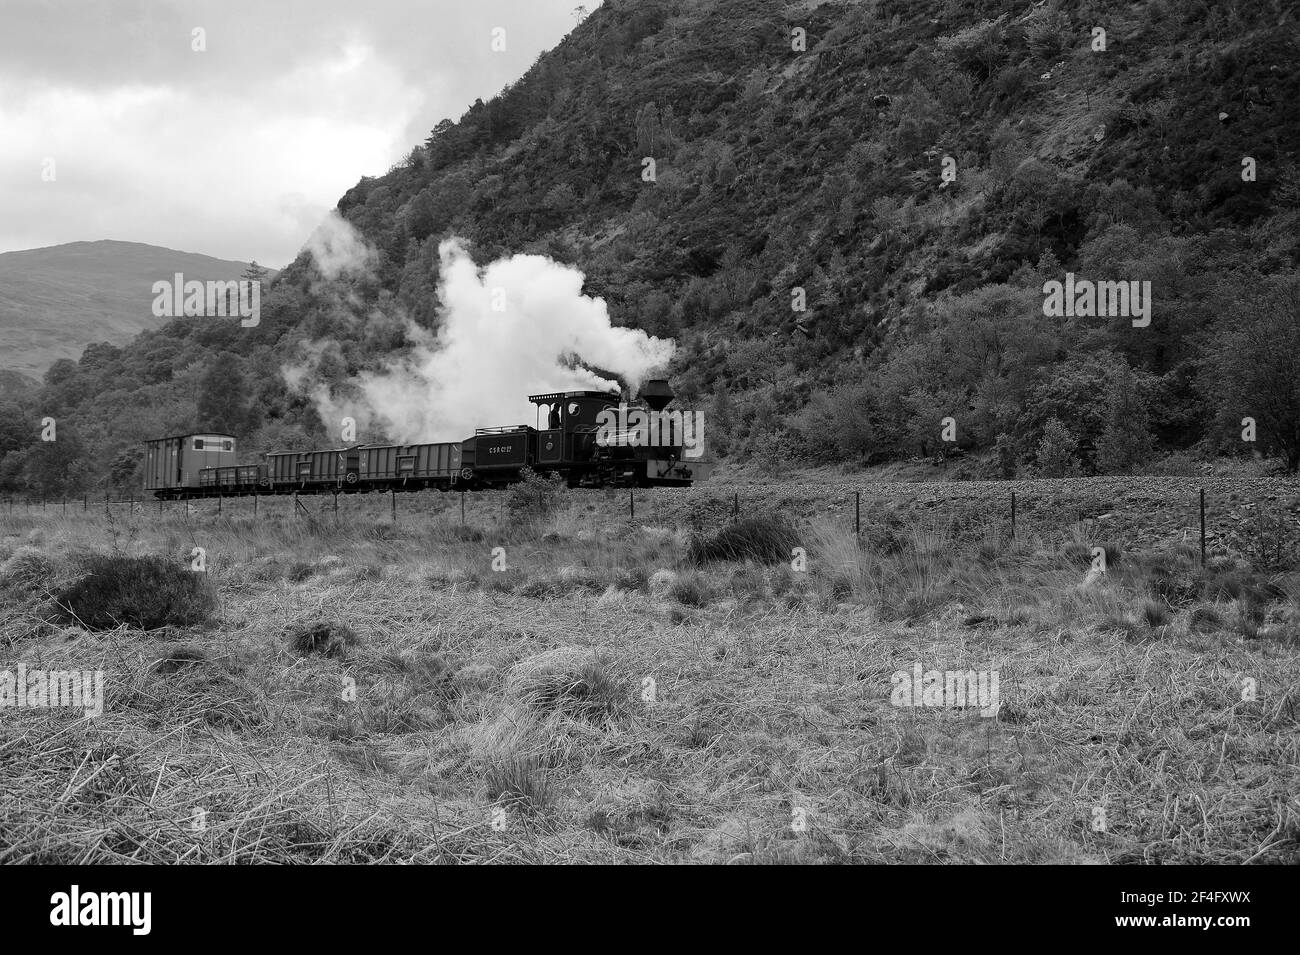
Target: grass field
{"points": [[679, 688]]}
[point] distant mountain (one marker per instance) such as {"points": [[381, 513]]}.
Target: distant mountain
{"points": [[57, 300]]}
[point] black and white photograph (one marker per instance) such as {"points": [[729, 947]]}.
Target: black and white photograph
{"points": [[651, 432]]}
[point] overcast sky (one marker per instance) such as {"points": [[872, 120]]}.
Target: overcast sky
{"points": [[238, 151]]}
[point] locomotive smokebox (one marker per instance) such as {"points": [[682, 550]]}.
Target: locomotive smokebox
{"points": [[657, 393]]}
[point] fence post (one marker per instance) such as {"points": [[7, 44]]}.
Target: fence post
{"points": [[218, 502], [295, 505], [1202, 527], [857, 513], [392, 496], [254, 501], [631, 503], [65, 507], [462, 508], [735, 507], [85, 501], [1013, 514]]}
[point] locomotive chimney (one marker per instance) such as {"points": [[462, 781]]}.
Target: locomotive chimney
{"points": [[657, 393]]}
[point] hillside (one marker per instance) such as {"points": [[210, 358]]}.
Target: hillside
{"points": [[57, 300], [853, 212]]}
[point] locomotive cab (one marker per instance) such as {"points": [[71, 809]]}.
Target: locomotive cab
{"points": [[572, 419]]}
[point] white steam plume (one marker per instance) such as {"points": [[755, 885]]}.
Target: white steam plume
{"points": [[338, 248], [507, 331]]}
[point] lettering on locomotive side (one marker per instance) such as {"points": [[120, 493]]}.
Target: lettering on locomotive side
{"points": [[637, 428]]}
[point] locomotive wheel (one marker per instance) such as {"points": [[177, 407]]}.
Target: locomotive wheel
{"points": [[466, 474]]}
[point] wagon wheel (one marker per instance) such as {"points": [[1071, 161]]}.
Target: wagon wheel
{"points": [[351, 477], [466, 474]]}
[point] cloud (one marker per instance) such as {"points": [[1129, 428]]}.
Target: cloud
{"points": [[238, 151]]}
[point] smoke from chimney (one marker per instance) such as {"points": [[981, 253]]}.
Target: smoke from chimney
{"points": [[508, 330]]}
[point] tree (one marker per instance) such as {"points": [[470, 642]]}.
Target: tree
{"points": [[223, 401], [15, 428], [647, 129], [124, 471], [720, 420], [13, 471], [1125, 441], [1250, 362], [1057, 452], [561, 198], [1077, 390], [58, 468]]}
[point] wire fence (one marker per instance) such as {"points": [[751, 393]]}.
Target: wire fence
{"points": [[1217, 519]]}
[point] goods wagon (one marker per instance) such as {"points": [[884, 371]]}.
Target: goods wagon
{"points": [[412, 465], [231, 479], [173, 465]]}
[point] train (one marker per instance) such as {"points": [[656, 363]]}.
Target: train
{"points": [[577, 445]]}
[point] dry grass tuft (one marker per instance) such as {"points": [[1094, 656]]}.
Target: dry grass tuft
{"points": [[180, 657], [26, 568], [325, 637], [766, 540], [573, 680]]}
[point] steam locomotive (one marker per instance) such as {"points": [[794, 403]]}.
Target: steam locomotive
{"points": [[579, 443]]}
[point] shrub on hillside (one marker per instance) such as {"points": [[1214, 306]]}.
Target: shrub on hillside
{"points": [[143, 592], [767, 541]]}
